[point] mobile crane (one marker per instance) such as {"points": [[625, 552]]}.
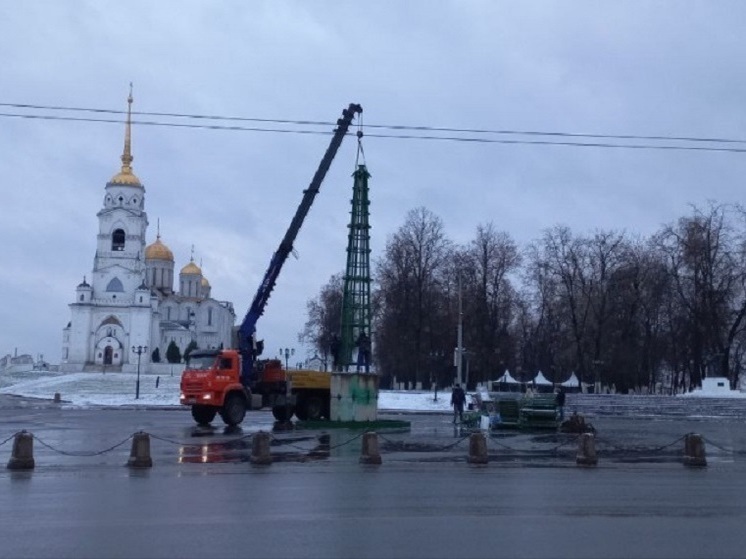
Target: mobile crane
{"points": [[222, 381]]}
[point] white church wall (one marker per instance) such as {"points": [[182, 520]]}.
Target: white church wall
{"points": [[119, 270]]}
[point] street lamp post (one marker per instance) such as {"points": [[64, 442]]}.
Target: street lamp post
{"points": [[139, 350], [287, 352], [436, 358]]}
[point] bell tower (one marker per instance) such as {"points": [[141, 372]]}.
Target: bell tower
{"points": [[118, 266]]}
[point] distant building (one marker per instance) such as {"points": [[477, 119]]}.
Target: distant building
{"points": [[130, 300], [17, 363], [315, 363]]}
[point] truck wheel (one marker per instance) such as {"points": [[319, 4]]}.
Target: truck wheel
{"points": [[234, 410], [203, 414], [314, 408], [282, 412], [301, 410]]}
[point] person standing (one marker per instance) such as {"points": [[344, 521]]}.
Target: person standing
{"points": [[560, 400], [458, 399], [363, 351], [334, 348]]}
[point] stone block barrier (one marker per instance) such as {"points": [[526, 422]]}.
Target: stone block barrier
{"points": [[370, 453], [255, 447], [477, 449], [586, 451], [260, 453], [140, 452], [23, 452], [694, 451]]}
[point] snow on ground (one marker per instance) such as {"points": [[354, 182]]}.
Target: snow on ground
{"points": [[709, 393], [118, 389]]}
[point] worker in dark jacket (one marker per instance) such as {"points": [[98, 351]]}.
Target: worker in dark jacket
{"points": [[363, 351], [458, 399], [334, 348], [560, 400]]}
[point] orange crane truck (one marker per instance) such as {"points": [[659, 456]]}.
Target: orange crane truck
{"points": [[211, 385], [222, 381]]}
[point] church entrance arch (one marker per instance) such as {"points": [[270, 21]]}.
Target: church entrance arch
{"points": [[108, 349]]}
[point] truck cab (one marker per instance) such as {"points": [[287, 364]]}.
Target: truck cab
{"points": [[211, 385]]}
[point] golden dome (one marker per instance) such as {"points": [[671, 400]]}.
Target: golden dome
{"points": [[205, 283], [125, 176], [191, 268], [158, 251]]}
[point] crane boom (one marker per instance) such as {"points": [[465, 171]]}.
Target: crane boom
{"points": [[247, 330]]}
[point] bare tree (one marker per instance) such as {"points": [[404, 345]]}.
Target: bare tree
{"points": [[410, 276], [489, 301], [324, 317], [707, 263]]}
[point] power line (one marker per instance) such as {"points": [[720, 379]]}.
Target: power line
{"points": [[465, 139], [387, 126], [169, 124], [562, 143], [170, 115]]}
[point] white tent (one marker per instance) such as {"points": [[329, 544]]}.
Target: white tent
{"points": [[572, 381], [506, 380], [541, 380]]}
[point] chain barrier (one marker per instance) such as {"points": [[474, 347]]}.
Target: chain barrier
{"points": [[356, 437], [490, 440], [441, 448], [290, 444], [81, 453], [567, 442], [170, 441], [639, 449], [719, 447], [13, 436], [553, 449], [458, 442], [183, 443]]}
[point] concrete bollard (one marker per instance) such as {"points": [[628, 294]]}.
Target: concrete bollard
{"points": [[694, 451], [23, 452], [477, 449], [370, 453], [140, 452], [586, 450], [57, 398], [260, 455]]}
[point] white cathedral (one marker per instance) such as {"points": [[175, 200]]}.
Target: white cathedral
{"points": [[130, 302]]}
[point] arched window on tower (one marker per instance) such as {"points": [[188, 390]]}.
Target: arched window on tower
{"points": [[117, 239], [115, 285]]}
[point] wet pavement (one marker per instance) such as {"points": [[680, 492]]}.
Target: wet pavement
{"points": [[202, 498]]}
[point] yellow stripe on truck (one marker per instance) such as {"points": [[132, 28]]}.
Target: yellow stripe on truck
{"points": [[310, 379]]}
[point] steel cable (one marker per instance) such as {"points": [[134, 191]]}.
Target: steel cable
{"points": [[81, 453], [13, 436]]}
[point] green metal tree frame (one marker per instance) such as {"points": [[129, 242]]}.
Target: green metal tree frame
{"points": [[356, 311]]}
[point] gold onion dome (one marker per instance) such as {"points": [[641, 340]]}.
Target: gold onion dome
{"points": [[125, 176], [204, 282], [191, 268], [158, 251]]}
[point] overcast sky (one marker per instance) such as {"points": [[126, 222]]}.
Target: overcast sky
{"points": [[641, 68]]}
